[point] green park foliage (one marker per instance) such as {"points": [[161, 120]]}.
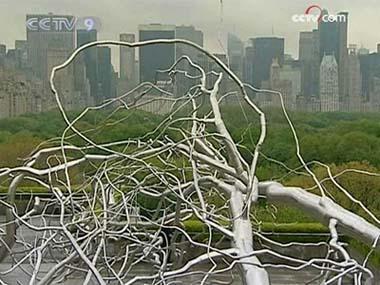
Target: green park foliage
{"points": [[341, 140]]}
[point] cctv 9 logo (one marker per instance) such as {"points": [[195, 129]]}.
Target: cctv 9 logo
{"points": [[61, 23]]}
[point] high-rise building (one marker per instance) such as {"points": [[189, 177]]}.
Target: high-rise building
{"points": [[235, 48], [10, 59], [21, 48], [329, 86], [64, 80], [105, 74], [342, 33], [265, 50], [127, 59], [328, 38], [158, 56], [189, 33], [3, 53], [305, 56], [369, 68], [333, 41], [305, 51], [85, 36], [374, 98], [248, 64], [343, 58], [90, 59], [354, 82], [19, 94], [309, 62], [46, 33], [287, 80]]}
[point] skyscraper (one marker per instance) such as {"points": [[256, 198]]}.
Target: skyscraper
{"points": [[90, 59], [248, 64], [105, 74], [158, 56], [329, 86], [235, 48], [44, 35], [189, 33], [309, 62], [287, 80], [64, 80], [374, 97], [352, 102], [333, 41], [305, 56], [370, 69], [127, 60], [21, 48], [3, 53], [265, 50], [328, 39]]}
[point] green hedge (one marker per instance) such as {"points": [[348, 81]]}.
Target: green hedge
{"points": [[196, 226], [293, 228]]}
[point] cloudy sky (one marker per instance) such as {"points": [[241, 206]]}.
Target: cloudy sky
{"points": [[246, 18]]}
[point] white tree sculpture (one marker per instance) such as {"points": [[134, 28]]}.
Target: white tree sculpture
{"points": [[94, 228]]}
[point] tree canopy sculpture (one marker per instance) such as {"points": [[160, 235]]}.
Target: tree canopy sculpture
{"points": [[132, 200]]}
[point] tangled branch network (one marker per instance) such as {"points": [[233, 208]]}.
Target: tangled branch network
{"points": [[120, 212]]}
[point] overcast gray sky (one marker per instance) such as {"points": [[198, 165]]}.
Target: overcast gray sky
{"points": [[246, 18]]}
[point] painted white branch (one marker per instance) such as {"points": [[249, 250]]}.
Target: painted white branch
{"points": [[322, 208]]}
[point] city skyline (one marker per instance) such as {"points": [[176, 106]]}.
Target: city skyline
{"points": [[323, 77], [273, 18]]}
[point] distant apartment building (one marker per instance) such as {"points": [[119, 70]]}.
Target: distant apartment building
{"points": [[333, 41], [235, 52], [156, 57], [3, 53], [309, 64], [64, 81], [370, 70], [285, 79], [249, 55], [374, 101], [265, 50], [352, 101], [43, 35], [106, 76], [189, 33], [19, 94], [329, 84], [21, 50], [88, 64], [127, 63], [50, 41]]}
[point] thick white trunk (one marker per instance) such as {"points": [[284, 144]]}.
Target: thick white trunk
{"points": [[252, 273]]}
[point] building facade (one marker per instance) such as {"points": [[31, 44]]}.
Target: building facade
{"points": [[353, 100], [156, 57], [127, 60], [329, 86], [89, 58], [265, 50]]}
